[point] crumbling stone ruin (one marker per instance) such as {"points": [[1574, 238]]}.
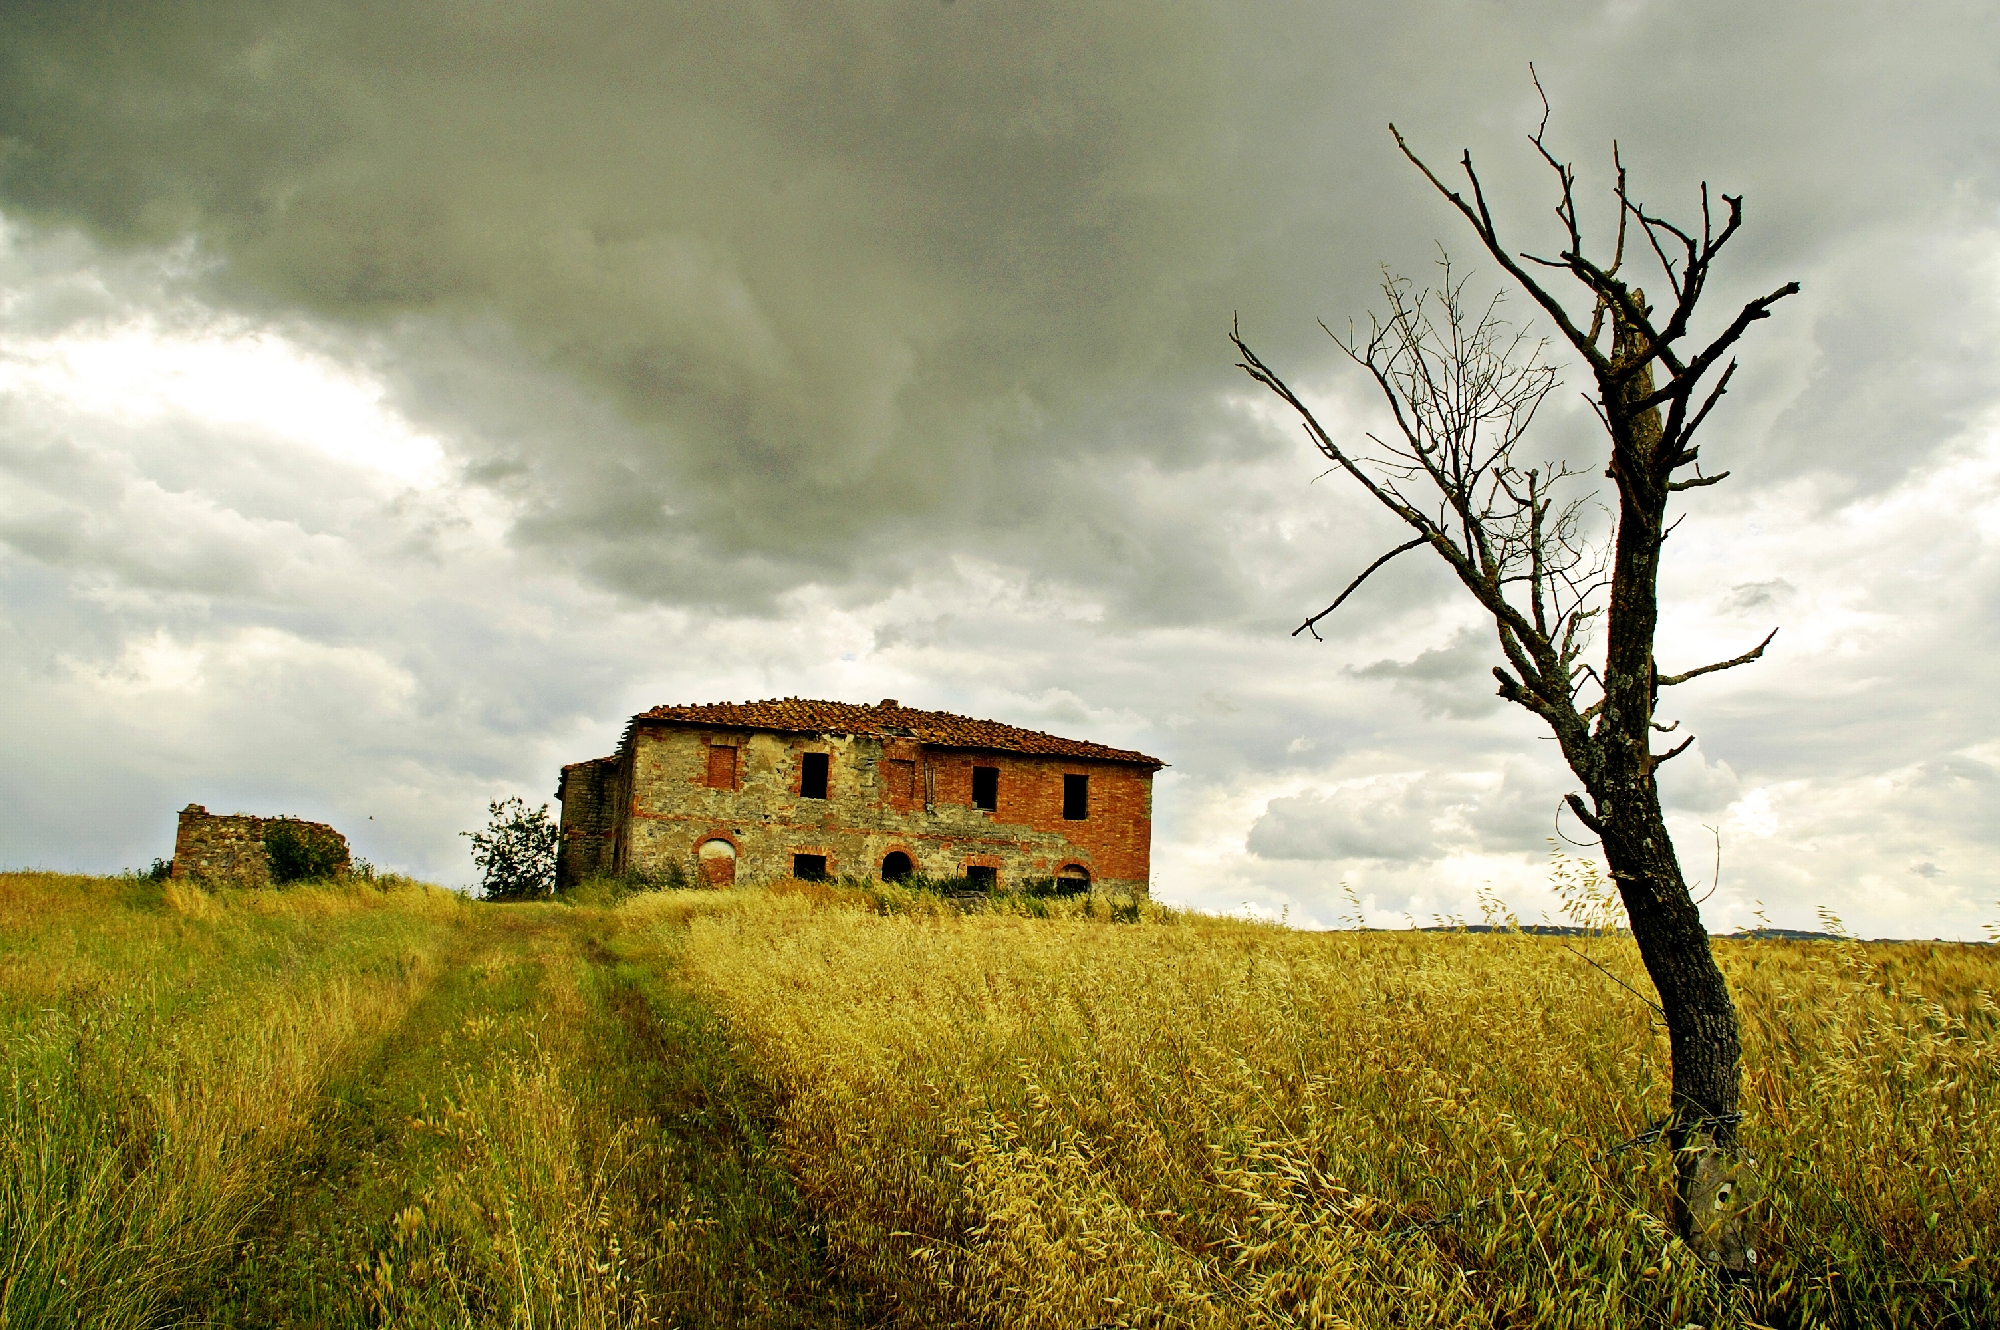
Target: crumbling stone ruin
{"points": [[758, 790], [246, 851]]}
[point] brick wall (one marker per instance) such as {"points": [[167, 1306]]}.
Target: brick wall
{"points": [[669, 797]]}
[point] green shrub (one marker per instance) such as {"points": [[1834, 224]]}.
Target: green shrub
{"points": [[301, 854], [942, 886], [609, 888], [516, 853]]}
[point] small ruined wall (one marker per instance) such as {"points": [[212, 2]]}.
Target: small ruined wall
{"points": [[589, 798], [230, 847]]}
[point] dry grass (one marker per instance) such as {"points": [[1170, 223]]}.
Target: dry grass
{"points": [[823, 1105], [162, 1053], [1064, 1122]]}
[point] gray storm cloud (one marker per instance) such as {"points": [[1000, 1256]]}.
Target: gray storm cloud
{"points": [[865, 284], [840, 269]]}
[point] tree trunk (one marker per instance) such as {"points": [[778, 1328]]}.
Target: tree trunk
{"points": [[1713, 1183]]}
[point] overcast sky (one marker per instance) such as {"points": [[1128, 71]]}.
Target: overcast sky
{"points": [[394, 398]]}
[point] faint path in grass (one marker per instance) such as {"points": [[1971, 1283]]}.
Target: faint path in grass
{"points": [[760, 1257], [555, 1134], [300, 1263]]}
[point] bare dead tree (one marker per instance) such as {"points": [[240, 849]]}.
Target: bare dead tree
{"points": [[1463, 388]]}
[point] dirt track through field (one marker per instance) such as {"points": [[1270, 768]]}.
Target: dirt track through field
{"points": [[556, 1133]]}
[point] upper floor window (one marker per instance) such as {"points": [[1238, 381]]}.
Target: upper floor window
{"points": [[1076, 797], [986, 788], [812, 775], [721, 767]]}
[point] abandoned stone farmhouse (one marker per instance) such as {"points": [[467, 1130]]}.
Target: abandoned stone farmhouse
{"points": [[726, 791]]}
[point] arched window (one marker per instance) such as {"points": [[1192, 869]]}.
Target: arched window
{"points": [[1072, 880], [717, 859], [896, 866]]}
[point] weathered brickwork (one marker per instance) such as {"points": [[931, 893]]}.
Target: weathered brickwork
{"points": [[587, 791], [230, 847], [730, 802]]}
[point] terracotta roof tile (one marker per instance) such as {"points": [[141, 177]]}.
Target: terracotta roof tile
{"points": [[942, 729]]}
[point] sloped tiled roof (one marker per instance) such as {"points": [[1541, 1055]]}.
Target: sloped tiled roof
{"points": [[942, 729]]}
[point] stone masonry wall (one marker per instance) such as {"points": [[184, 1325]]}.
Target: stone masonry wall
{"points": [[230, 847], [873, 807], [589, 820]]}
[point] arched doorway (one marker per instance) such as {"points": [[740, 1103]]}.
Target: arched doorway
{"points": [[717, 860], [896, 866], [1072, 880]]}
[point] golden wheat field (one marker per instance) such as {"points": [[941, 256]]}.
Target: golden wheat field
{"points": [[380, 1104]]}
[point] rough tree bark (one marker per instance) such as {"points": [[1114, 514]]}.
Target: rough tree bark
{"points": [[1463, 390]]}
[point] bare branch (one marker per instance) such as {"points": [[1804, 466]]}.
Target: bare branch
{"points": [[1657, 1008], [1463, 387], [1584, 815], [1652, 226], [1265, 375], [1482, 222], [1618, 253], [1583, 845], [1307, 626], [1698, 481], [1683, 381], [1669, 680], [1673, 752], [1714, 396], [1715, 880]]}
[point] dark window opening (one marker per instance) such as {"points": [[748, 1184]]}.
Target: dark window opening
{"points": [[982, 877], [812, 776], [896, 866], [1073, 880], [986, 788], [721, 767], [1076, 798], [809, 867]]}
